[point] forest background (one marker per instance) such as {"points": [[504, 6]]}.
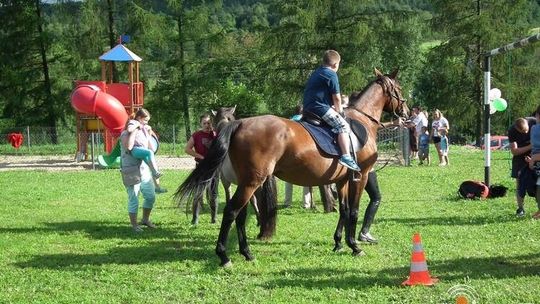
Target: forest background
{"points": [[198, 55]]}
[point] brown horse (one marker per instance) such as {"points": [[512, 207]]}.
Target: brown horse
{"points": [[262, 146]]}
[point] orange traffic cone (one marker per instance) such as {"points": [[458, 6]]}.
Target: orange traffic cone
{"points": [[419, 274]]}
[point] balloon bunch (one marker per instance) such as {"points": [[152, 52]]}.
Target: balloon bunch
{"points": [[496, 102]]}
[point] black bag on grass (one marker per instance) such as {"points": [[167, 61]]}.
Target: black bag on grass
{"points": [[474, 189]]}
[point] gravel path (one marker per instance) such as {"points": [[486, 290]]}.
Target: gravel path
{"points": [[66, 163]]}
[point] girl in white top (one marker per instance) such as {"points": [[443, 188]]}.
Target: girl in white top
{"points": [[439, 123]]}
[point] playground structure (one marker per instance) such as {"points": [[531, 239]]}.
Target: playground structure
{"points": [[103, 107]]}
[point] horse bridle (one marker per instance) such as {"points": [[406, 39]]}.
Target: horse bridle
{"points": [[389, 86], [393, 93]]}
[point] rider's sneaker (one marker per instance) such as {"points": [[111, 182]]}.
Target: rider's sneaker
{"points": [[520, 212], [347, 161]]}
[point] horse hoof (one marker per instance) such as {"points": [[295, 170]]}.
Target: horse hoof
{"points": [[228, 264], [359, 253], [248, 256], [337, 248]]}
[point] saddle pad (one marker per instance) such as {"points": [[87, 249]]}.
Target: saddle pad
{"points": [[325, 139]]}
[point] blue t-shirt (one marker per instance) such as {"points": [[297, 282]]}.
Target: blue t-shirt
{"points": [[320, 87], [423, 141], [535, 139]]}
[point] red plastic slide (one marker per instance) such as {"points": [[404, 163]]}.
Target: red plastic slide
{"points": [[89, 99]]}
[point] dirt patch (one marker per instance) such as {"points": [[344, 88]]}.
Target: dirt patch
{"points": [[68, 163]]}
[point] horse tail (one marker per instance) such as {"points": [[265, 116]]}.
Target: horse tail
{"points": [[268, 208], [205, 171]]}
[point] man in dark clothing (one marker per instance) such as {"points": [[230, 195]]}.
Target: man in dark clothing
{"points": [[520, 146]]}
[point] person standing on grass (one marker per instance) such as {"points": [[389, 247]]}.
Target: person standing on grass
{"points": [[445, 145], [439, 123], [534, 160], [142, 147], [306, 191], [519, 137], [197, 146], [423, 146], [137, 178]]}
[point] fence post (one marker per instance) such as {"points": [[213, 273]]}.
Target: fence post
{"points": [[174, 140], [28, 137], [93, 141], [406, 146]]}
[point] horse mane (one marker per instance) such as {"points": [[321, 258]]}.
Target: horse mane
{"points": [[357, 95]]}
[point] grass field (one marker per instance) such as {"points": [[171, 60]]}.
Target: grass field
{"points": [[64, 238]]}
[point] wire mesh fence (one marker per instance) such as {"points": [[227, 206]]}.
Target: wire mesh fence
{"points": [[393, 143]]}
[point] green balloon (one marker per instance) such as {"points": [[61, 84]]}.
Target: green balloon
{"points": [[499, 104]]}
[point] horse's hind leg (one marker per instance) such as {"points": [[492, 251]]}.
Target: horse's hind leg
{"points": [[212, 195], [231, 211], [242, 236]]}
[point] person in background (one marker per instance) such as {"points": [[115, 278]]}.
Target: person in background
{"points": [[137, 178], [306, 191], [445, 145], [439, 123], [423, 146], [321, 93], [142, 148], [372, 189], [418, 120], [534, 160], [520, 146], [197, 146]]}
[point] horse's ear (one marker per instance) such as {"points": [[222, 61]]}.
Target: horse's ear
{"points": [[233, 109], [378, 73], [393, 75], [214, 113]]}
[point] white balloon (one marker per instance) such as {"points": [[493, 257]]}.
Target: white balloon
{"points": [[494, 93]]}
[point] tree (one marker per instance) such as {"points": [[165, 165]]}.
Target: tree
{"points": [[452, 77], [26, 89]]}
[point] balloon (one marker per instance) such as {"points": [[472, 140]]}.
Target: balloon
{"points": [[499, 104], [492, 109], [494, 94]]}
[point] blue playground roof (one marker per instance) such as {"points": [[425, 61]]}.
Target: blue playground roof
{"points": [[120, 53]]}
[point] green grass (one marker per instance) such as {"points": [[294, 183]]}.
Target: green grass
{"points": [[64, 238]]}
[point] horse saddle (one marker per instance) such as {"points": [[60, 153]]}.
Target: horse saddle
{"points": [[325, 139]]}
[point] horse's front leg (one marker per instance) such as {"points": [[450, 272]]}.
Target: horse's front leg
{"points": [[342, 191], [232, 209]]}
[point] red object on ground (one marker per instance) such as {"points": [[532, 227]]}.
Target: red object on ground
{"points": [[16, 139]]}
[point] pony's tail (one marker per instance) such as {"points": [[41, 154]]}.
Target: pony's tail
{"points": [[268, 209], [197, 181]]}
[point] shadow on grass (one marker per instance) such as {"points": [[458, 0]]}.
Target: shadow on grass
{"points": [[153, 252], [450, 220], [94, 229], [451, 270]]}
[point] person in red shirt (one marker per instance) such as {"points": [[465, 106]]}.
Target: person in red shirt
{"points": [[197, 146]]}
